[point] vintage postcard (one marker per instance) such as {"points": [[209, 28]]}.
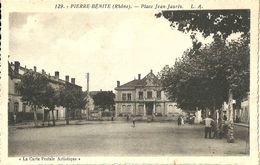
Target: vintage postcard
{"points": [[129, 82]]}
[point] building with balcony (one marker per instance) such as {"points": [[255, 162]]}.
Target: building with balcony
{"points": [[143, 97]]}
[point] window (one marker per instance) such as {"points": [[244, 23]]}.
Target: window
{"points": [[159, 93], [124, 97], [141, 95], [123, 108], [158, 109], [16, 107], [16, 91], [149, 94], [140, 110], [128, 108], [170, 109], [129, 96]]}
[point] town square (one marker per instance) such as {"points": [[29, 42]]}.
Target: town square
{"points": [[148, 84], [119, 138]]}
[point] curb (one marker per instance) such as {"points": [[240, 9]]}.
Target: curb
{"points": [[242, 125]]}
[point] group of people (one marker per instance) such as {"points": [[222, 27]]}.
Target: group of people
{"points": [[180, 120], [211, 126], [219, 129]]}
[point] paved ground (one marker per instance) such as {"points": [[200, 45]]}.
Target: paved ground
{"points": [[121, 139]]}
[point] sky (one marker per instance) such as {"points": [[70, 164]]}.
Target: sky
{"points": [[111, 46]]}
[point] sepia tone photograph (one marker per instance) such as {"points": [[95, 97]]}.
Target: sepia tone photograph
{"points": [[145, 83], [188, 96]]}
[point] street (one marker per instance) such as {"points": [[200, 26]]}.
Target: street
{"points": [[121, 139]]}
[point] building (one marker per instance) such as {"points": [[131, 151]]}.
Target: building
{"points": [[20, 109], [243, 113], [143, 97]]}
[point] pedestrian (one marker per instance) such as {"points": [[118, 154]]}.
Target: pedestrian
{"points": [[133, 121], [182, 120], [14, 118], [237, 119], [179, 120], [127, 118], [208, 125], [220, 128], [112, 118], [214, 128]]}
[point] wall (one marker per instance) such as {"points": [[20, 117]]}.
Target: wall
{"points": [[244, 112]]}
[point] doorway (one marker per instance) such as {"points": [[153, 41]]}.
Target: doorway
{"points": [[149, 108]]}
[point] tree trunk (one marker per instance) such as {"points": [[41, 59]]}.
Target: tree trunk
{"points": [[43, 117], [88, 113], [220, 123], [48, 117], [53, 119], [35, 116], [230, 138], [67, 116]]}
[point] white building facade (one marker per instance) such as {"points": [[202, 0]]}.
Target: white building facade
{"points": [[143, 97]]}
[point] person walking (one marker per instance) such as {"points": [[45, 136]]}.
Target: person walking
{"points": [[208, 125], [179, 120], [133, 121], [214, 129]]}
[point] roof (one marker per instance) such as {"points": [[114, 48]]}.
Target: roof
{"points": [[149, 80], [12, 74]]}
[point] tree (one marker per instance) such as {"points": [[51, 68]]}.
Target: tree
{"points": [[104, 99], [221, 24], [217, 22], [33, 90], [37, 90], [222, 69], [202, 78], [72, 98]]}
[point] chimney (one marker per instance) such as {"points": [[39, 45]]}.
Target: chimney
{"points": [[73, 80], [151, 71], [139, 76], [16, 66], [67, 78], [57, 75], [118, 83], [100, 90], [43, 72], [87, 81], [34, 68]]}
